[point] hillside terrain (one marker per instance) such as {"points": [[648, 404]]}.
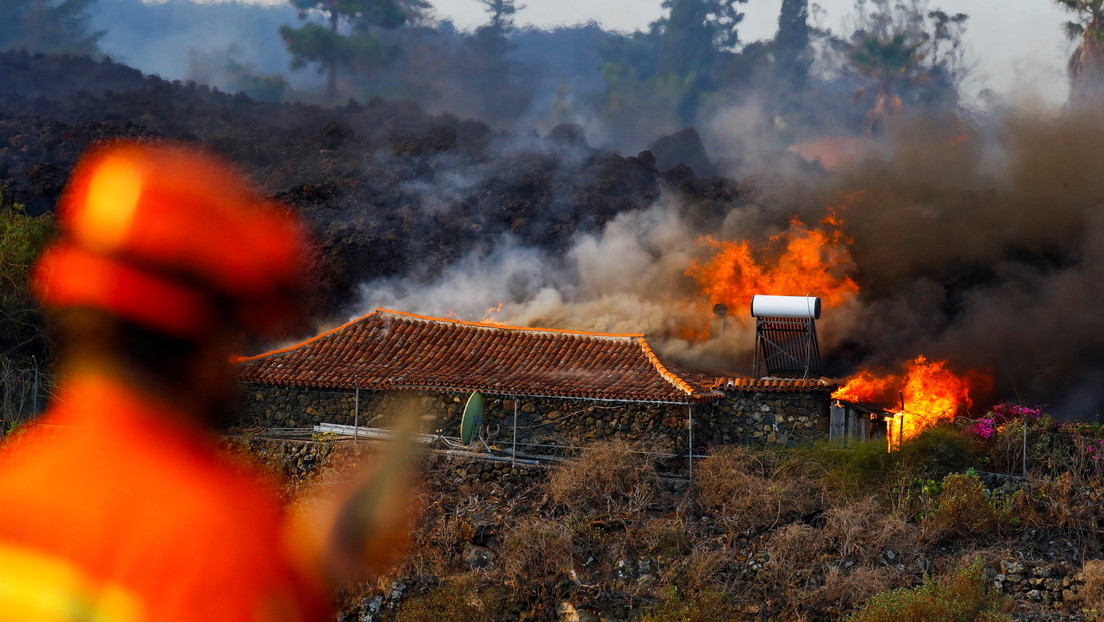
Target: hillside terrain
{"points": [[947, 528], [385, 187]]}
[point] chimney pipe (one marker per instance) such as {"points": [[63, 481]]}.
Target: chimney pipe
{"points": [[719, 322]]}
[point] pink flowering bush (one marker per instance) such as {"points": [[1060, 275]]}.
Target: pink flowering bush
{"points": [[1000, 415], [1053, 446]]}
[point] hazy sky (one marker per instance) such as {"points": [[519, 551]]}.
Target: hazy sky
{"points": [[1017, 46]]}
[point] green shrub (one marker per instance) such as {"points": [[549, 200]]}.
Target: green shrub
{"points": [[455, 600], [963, 596], [859, 469], [962, 510], [674, 605], [940, 450]]}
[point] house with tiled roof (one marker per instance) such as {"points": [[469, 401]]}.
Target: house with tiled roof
{"points": [[559, 386]]}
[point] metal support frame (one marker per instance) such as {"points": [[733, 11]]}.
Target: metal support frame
{"points": [[786, 347], [356, 413]]}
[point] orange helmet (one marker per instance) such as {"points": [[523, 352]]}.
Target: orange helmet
{"points": [[175, 240]]}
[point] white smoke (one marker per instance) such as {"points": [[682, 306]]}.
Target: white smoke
{"points": [[630, 277]]}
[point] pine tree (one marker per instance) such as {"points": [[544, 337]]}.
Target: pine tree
{"points": [[51, 26], [347, 38], [791, 44]]}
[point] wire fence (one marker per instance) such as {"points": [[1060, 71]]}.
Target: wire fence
{"points": [[24, 391], [515, 427]]}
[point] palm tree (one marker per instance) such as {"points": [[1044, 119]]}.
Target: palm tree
{"points": [[1086, 64], [891, 64]]}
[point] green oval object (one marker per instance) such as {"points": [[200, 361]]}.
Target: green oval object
{"points": [[472, 419]]}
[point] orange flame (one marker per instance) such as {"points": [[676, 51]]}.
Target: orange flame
{"points": [[931, 393], [800, 261], [489, 315]]}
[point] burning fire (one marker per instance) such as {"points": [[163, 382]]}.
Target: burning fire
{"points": [[929, 390], [801, 261], [489, 315]]}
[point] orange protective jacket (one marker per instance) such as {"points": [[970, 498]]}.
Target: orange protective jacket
{"points": [[111, 511]]}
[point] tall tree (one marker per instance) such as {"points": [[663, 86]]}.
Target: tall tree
{"points": [[791, 44], [907, 55], [493, 36], [51, 26], [347, 38], [890, 64], [677, 57], [487, 67], [1086, 64]]}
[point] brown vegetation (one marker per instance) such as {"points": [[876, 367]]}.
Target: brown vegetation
{"points": [[816, 533]]}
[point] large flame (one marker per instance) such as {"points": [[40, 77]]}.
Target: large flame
{"points": [[926, 393], [800, 261]]}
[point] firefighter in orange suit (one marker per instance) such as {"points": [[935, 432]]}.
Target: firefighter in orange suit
{"points": [[118, 506]]}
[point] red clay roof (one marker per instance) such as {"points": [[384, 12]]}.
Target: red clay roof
{"points": [[791, 385], [393, 350]]}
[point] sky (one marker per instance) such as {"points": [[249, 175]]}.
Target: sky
{"points": [[1015, 46]]}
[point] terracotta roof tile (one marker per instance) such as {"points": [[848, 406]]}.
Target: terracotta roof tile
{"points": [[791, 385], [393, 350]]}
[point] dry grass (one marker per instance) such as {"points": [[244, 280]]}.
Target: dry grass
{"points": [[668, 537], [1065, 506], [864, 532], [749, 495], [1092, 593], [457, 599], [535, 547], [962, 512], [845, 589], [611, 480]]}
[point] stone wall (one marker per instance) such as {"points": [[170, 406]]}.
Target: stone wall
{"points": [[765, 419], [1055, 584], [752, 419]]}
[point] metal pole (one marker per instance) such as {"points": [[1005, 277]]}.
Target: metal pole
{"points": [[901, 424], [1024, 420], [34, 397], [690, 435], [356, 413], [513, 446]]}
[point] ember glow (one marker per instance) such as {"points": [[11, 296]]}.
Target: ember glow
{"points": [[800, 261], [931, 393]]}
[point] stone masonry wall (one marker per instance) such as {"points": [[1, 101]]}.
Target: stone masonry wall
{"points": [[765, 419], [752, 419]]}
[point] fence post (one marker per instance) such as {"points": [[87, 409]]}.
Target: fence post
{"points": [[34, 396], [690, 436], [1024, 420], [513, 446], [356, 412]]}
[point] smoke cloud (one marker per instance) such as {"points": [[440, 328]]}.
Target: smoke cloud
{"points": [[981, 242]]}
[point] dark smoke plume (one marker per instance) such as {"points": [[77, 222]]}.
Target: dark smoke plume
{"points": [[982, 243]]}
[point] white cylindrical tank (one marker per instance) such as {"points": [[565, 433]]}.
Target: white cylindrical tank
{"points": [[786, 306]]}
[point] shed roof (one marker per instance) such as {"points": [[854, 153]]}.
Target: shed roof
{"points": [[386, 350]]}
